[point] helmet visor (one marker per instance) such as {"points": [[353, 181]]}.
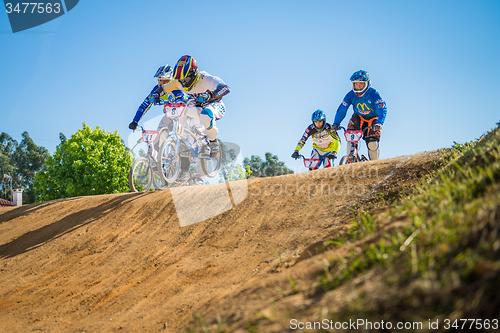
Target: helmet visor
{"points": [[164, 72], [359, 86], [188, 80]]}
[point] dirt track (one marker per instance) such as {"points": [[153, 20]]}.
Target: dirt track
{"points": [[124, 263]]}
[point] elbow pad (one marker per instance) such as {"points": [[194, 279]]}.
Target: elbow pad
{"points": [[220, 91]]}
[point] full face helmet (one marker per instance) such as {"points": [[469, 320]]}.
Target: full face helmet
{"points": [[164, 73], [319, 115], [186, 71], [360, 76]]}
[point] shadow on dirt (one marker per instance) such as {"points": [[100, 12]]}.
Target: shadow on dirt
{"points": [[33, 239]]}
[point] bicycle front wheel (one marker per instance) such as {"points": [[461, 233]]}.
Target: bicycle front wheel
{"points": [[158, 183], [140, 175], [345, 160]]}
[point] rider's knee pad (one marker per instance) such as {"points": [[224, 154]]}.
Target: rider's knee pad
{"points": [[207, 118], [372, 145]]}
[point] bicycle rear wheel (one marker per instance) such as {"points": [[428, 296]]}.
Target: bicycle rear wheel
{"points": [[210, 166], [140, 175], [169, 162]]}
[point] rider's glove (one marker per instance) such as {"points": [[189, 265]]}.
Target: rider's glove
{"points": [[133, 125], [203, 98], [154, 98], [335, 127], [295, 155], [332, 155], [377, 127]]}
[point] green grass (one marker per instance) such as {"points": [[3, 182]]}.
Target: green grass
{"points": [[428, 248], [449, 241]]}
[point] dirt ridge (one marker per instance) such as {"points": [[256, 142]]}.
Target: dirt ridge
{"points": [[123, 262]]}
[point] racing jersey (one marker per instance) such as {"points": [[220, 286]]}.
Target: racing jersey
{"points": [[323, 140], [206, 84], [162, 91], [369, 105]]}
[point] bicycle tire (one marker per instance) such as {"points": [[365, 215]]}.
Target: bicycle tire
{"points": [[345, 160], [158, 183], [210, 166], [169, 162], [140, 175]]}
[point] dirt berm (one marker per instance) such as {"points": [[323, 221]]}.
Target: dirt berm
{"points": [[136, 262]]}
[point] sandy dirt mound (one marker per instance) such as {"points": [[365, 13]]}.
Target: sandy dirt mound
{"points": [[139, 262]]}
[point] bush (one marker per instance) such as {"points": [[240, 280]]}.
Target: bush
{"points": [[90, 162]]}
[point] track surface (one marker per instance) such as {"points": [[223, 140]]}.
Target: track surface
{"points": [[128, 263]]}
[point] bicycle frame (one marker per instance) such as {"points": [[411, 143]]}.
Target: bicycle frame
{"points": [[185, 140], [192, 138]]}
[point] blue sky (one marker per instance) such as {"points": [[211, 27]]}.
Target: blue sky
{"points": [[435, 63]]}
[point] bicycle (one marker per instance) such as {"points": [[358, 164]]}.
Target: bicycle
{"points": [[144, 170], [353, 137], [184, 141], [314, 163]]}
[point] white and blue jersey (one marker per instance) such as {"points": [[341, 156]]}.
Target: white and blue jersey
{"points": [[368, 106]]}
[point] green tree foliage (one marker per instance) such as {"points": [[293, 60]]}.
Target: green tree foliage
{"points": [[90, 162], [230, 170], [7, 148], [29, 159], [272, 166], [21, 162]]}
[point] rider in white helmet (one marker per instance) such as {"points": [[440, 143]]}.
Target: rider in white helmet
{"points": [[369, 115]]}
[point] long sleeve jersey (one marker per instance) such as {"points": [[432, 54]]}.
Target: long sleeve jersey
{"points": [[369, 105], [324, 140], [162, 91], [209, 84]]}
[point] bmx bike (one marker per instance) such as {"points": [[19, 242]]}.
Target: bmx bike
{"points": [[185, 140], [144, 171], [353, 137]]}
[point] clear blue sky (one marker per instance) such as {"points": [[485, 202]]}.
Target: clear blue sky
{"points": [[436, 64]]}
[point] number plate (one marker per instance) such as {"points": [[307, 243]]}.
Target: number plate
{"points": [[353, 136], [149, 136], [311, 163], [174, 110]]}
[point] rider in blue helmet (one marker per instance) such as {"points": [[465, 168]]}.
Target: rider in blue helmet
{"points": [[326, 142], [369, 115]]}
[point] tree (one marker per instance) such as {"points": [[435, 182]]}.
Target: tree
{"points": [[271, 167], [19, 164], [230, 170], [29, 159], [7, 148], [90, 162]]}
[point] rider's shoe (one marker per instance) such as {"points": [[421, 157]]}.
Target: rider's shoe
{"points": [[214, 147], [183, 177]]}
